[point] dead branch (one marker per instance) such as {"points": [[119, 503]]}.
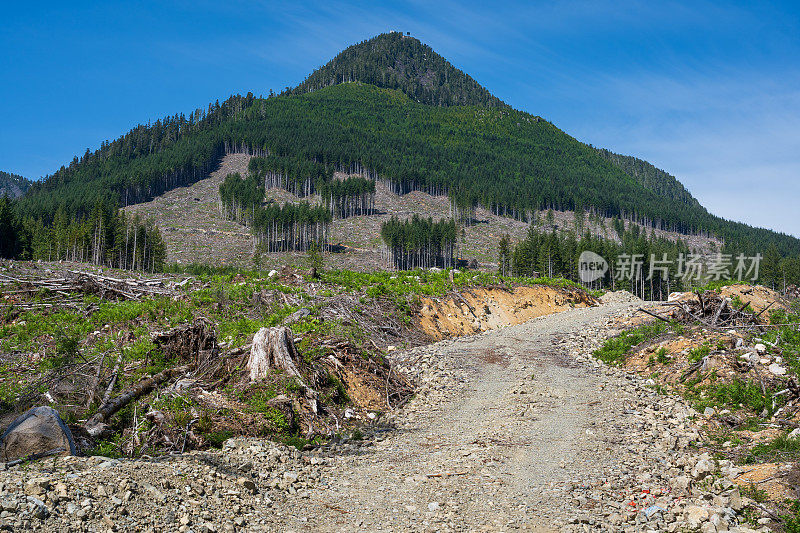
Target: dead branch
{"points": [[114, 375], [654, 315], [96, 424]]}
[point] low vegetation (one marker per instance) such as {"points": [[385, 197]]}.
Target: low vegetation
{"points": [[56, 352], [615, 349]]}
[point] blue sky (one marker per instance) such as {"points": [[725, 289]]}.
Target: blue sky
{"points": [[709, 91]]}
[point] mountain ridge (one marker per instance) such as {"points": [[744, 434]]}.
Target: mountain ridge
{"points": [[13, 185], [410, 133]]}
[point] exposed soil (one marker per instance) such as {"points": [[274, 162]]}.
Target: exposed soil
{"points": [[483, 309]]}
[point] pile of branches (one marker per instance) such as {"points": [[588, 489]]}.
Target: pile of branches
{"points": [[88, 283], [711, 310], [793, 291]]}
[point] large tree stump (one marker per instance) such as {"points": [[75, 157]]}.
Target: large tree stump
{"points": [[274, 348]]}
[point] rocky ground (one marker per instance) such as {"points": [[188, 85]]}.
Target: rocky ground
{"points": [[516, 428]]}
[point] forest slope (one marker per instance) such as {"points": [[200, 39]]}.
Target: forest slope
{"points": [[485, 154], [13, 185]]}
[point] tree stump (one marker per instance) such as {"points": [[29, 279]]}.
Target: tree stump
{"points": [[274, 348]]}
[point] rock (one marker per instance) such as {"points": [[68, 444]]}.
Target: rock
{"points": [[37, 486], [272, 273], [433, 507], [735, 501], [681, 483], [709, 412], [795, 433], [696, 515], [777, 369], [760, 349], [40, 510], [704, 466], [708, 527], [38, 430], [297, 315], [247, 484]]}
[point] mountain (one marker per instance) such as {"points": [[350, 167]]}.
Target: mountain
{"points": [[397, 61], [392, 108], [13, 185], [657, 180]]}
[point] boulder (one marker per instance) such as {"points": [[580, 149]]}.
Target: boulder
{"points": [[777, 369], [37, 431]]}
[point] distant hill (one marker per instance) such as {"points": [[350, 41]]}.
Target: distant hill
{"points": [[13, 185], [394, 109], [397, 61]]}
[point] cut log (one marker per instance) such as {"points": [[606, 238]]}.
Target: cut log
{"points": [[97, 424]]}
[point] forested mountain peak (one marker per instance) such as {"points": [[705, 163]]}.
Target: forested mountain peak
{"points": [[397, 61], [13, 185], [388, 108]]}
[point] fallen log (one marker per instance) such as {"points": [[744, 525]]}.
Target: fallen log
{"points": [[97, 424], [654, 315]]}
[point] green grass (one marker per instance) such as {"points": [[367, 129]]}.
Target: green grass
{"points": [[754, 493], [782, 448], [791, 521], [427, 283], [733, 395], [615, 349]]}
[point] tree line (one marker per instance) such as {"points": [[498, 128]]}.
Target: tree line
{"points": [[650, 267], [107, 237], [352, 196], [290, 227], [553, 254], [301, 177], [420, 242]]}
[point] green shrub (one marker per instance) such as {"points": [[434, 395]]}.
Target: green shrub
{"points": [[697, 354], [782, 448], [615, 349]]}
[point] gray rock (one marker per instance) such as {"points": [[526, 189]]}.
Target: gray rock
{"points": [[36, 431]]}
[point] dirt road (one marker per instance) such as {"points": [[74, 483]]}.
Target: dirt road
{"points": [[511, 424]]}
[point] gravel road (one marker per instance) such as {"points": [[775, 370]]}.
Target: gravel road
{"points": [[508, 424]]}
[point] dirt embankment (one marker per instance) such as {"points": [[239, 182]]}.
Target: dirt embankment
{"points": [[481, 309]]}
